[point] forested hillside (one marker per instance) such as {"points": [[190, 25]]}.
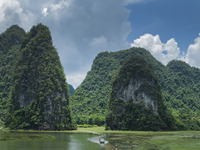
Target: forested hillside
{"points": [[39, 98], [10, 42], [181, 92], [136, 101], [89, 102], [179, 84]]}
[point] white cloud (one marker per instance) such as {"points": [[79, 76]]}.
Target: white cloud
{"points": [[8, 6], [193, 53], [164, 52], [172, 49], [99, 42], [11, 13], [168, 51], [76, 78], [80, 29], [44, 11], [134, 1], [127, 2], [60, 5]]}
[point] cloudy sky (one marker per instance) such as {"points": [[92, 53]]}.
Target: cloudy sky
{"points": [[169, 29]]}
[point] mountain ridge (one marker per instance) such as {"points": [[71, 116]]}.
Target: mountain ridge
{"points": [[180, 83], [179, 88]]}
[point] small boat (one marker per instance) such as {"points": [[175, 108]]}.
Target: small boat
{"points": [[101, 140]]}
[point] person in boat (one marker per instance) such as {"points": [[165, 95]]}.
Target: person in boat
{"points": [[101, 140]]}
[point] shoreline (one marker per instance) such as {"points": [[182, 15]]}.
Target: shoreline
{"points": [[101, 130]]}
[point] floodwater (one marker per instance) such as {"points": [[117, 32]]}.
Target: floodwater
{"points": [[52, 141]]}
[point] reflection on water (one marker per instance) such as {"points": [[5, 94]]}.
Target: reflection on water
{"points": [[82, 141]]}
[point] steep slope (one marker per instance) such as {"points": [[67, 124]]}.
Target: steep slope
{"points": [[136, 101], [181, 92], [10, 42], [39, 97], [89, 102]]}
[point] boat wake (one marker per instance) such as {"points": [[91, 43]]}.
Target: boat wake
{"points": [[98, 139]]}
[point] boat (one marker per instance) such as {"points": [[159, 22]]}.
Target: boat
{"points": [[101, 141]]}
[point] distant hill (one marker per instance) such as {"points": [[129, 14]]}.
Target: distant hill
{"points": [[71, 89], [179, 85], [181, 92]]}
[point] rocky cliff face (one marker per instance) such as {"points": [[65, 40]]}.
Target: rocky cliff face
{"points": [[136, 101], [132, 93], [90, 99], [39, 97]]}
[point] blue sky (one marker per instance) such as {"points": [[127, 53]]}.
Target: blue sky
{"points": [[81, 29], [177, 19]]}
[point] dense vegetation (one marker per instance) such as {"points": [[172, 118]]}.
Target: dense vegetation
{"points": [[89, 102], [181, 92], [179, 85], [136, 101], [179, 82], [39, 97], [10, 42]]}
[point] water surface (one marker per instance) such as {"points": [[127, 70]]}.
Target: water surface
{"points": [[53, 141]]}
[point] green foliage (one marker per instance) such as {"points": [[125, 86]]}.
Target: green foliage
{"points": [[86, 126], [12, 36], [90, 120], [181, 92], [39, 98], [179, 82], [179, 85], [130, 115], [10, 42], [91, 97], [131, 140]]}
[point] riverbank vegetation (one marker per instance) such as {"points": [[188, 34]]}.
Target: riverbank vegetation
{"points": [[143, 140]]}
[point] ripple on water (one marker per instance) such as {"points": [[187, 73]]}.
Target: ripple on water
{"points": [[106, 145], [96, 140]]}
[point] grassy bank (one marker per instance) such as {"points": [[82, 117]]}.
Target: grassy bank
{"points": [[157, 141], [148, 140], [102, 130]]}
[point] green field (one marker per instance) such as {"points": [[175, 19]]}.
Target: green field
{"points": [[143, 140]]}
